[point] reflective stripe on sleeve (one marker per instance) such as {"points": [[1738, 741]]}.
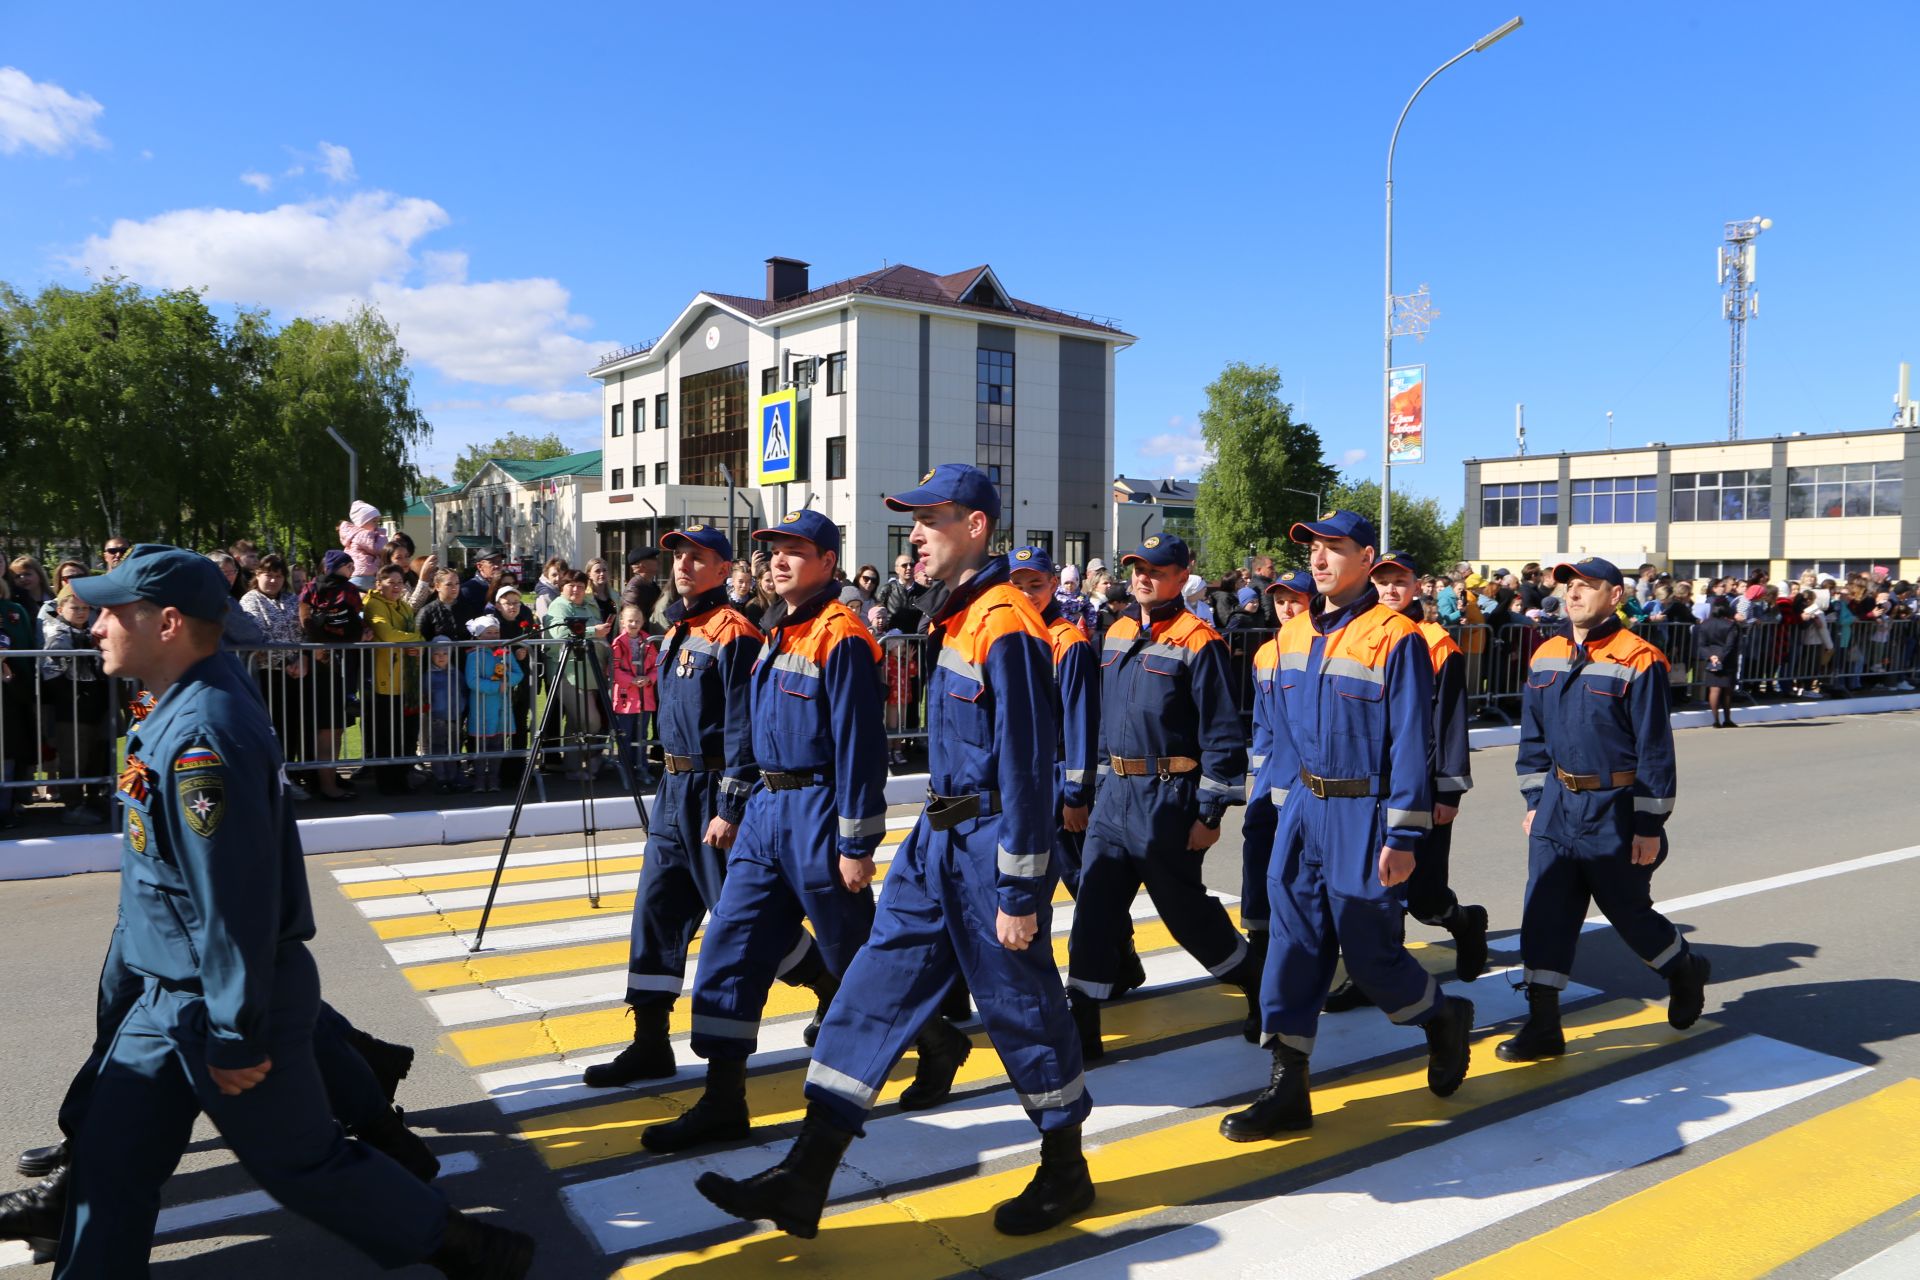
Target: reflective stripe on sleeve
{"points": [[1653, 804], [856, 828], [1277, 794], [1532, 781], [1026, 865], [1418, 819], [1211, 787], [1455, 784]]}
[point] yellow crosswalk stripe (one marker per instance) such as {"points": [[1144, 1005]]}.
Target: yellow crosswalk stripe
{"points": [[949, 1228], [1746, 1213]]}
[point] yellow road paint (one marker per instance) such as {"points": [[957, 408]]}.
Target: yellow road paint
{"points": [[949, 1229], [1746, 1213]]}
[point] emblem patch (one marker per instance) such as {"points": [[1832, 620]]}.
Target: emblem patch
{"points": [[203, 801], [1024, 553], [792, 517], [696, 528], [927, 478], [198, 758], [136, 831], [1152, 542]]}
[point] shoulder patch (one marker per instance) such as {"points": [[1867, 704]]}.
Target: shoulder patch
{"points": [[197, 758], [203, 800]]}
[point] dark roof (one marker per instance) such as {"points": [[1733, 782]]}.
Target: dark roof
{"points": [[911, 284], [1168, 490]]}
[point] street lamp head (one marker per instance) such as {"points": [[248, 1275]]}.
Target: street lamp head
{"points": [[1498, 34]]}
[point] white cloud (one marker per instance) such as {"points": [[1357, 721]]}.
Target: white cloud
{"points": [[336, 162], [1353, 457], [1183, 448], [558, 406], [44, 116], [258, 181]]}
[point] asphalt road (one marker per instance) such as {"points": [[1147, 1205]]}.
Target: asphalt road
{"points": [[1827, 963]]}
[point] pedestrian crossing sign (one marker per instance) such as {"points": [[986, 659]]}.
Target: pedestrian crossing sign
{"points": [[775, 457]]}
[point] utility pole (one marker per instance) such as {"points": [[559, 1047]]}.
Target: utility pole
{"points": [[1739, 302]]}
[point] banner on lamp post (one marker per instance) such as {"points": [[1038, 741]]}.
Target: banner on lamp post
{"points": [[1407, 414]]}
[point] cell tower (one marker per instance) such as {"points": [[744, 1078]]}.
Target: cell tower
{"points": [[1738, 303]]}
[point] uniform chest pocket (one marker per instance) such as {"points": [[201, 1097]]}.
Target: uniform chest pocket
{"points": [[1358, 690], [1605, 686], [966, 709], [691, 662], [797, 686], [1537, 679], [1161, 664]]}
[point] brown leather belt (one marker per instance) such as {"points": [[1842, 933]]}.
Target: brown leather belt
{"points": [[1335, 788], [688, 764], [1594, 781], [1159, 766], [778, 781]]}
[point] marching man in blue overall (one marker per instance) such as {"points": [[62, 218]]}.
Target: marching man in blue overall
{"points": [[969, 891], [706, 738], [805, 845], [1344, 695], [1596, 768], [215, 919]]}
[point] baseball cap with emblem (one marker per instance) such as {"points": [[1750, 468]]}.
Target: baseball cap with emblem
{"points": [[1592, 567], [952, 482], [1337, 524], [1298, 581], [806, 524], [1160, 550], [1395, 560], [1039, 559], [161, 575], [699, 535]]}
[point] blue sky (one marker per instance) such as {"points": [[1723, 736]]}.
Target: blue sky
{"points": [[522, 188]]}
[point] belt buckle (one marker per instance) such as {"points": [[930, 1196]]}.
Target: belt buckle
{"points": [[1317, 786], [1164, 767]]}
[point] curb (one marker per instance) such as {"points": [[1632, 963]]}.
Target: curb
{"points": [[51, 856], [1509, 735]]}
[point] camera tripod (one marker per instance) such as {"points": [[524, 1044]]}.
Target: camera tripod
{"points": [[577, 648]]}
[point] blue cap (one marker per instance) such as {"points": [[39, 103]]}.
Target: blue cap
{"points": [[1246, 595], [952, 482], [1038, 559], [1160, 550], [805, 523], [1299, 581], [1591, 567], [1396, 560], [1337, 524], [162, 575], [700, 535]]}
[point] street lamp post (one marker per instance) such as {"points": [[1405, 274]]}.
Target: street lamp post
{"points": [[1487, 41]]}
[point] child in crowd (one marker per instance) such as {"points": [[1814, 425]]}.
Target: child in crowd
{"points": [[75, 695], [491, 673], [362, 538], [443, 715], [635, 691]]}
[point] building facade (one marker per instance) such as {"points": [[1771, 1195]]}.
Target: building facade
{"points": [[1832, 503], [1142, 507], [533, 508], [893, 371]]}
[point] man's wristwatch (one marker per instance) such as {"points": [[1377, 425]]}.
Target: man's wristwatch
{"points": [[1213, 823]]}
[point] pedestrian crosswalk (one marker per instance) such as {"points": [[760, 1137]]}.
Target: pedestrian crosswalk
{"points": [[1388, 1178]]}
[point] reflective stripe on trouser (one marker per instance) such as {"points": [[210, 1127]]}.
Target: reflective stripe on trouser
{"points": [[680, 881], [1429, 897], [1327, 903], [1139, 836], [936, 918], [140, 1117], [1256, 852], [1560, 884], [782, 867]]}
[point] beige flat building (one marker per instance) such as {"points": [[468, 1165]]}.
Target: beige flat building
{"points": [[1832, 503]]}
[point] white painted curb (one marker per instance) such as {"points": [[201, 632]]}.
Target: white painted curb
{"points": [[1509, 735]]}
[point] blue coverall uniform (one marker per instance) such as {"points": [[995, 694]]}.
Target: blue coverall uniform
{"points": [[1595, 713], [1345, 697], [990, 735], [214, 919], [706, 665], [1166, 699], [1076, 675], [1430, 899], [817, 724]]}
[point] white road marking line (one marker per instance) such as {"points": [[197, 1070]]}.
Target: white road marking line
{"points": [[1396, 1209], [1901, 1262], [422, 904], [1747, 888]]}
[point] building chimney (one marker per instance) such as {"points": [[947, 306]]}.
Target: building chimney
{"points": [[786, 278]]}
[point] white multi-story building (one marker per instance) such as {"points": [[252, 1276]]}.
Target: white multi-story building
{"points": [[896, 370]]}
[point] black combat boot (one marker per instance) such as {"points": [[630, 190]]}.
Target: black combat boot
{"points": [[1540, 1036], [1061, 1188], [389, 1062], [719, 1116], [1246, 976], [957, 1005], [388, 1134], [1447, 1048], [1086, 1021], [38, 1162], [1347, 995], [649, 1057], [33, 1213], [1283, 1106], [792, 1193], [475, 1250], [1257, 962], [1468, 925], [943, 1048], [813, 974], [1133, 974], [1687, 990]]}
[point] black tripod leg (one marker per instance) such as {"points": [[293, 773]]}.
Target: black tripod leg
{"points": [[619, 757], [513, 824]]}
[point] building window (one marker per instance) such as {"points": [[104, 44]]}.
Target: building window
{"points": [[769, 381], [1723, 495], [660, 413], [1838, 570], [619, 478], [837, 458], [1620, 500], [1839, 490], [897, 544], [837, 373], [713, 425], [614, 418], [1041, 538], [659, 473], [846, 548], [1504, 506], [639, 416], [993, 422], [1713, 570], [1077, 547]]}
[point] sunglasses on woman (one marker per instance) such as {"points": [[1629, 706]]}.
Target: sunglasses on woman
{"points": [[114, 551]]}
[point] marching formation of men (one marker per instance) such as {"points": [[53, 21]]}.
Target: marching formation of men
{"points": [[1050, 762]]}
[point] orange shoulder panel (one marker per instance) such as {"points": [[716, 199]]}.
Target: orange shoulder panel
{"points": [[1267, 656], [1630, 650], [1064, 636], [1296, 635], [1441, 641], [1554, 646], [1190, 632]]}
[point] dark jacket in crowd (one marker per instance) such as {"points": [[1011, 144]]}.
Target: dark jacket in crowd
{"points": [[437, 618]]}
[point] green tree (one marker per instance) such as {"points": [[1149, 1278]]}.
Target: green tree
{"points": [[1421, 527], [1261, 454], [510, 445]]}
